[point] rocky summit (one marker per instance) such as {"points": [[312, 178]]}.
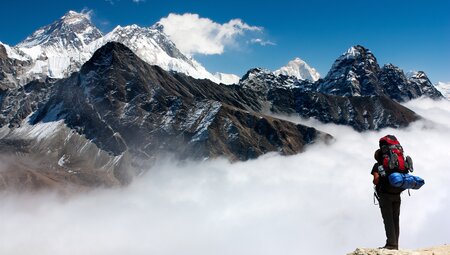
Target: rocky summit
{"points": [[357, 73]]}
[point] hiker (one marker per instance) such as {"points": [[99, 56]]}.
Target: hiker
{"points": [[389, 200], [391, 177]]}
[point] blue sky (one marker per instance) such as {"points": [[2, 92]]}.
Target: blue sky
{"points": [[414, 35]]}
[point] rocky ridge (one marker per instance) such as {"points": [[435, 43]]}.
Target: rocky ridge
{"points": [[125, 112], [357, 73]]}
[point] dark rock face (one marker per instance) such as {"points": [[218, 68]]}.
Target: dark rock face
{"points": [[357, 73], [396, 85], [420, 80], [9, 69], [361, 113], [126, 110], [17, 103], [286, 95]]}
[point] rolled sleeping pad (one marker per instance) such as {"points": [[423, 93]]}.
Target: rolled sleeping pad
{"points": [[405, 181]]}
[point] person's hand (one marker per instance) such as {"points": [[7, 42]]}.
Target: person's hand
{"points": [[376, 178]]}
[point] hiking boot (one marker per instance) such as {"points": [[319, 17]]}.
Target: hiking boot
{"points": [[389, 247]]}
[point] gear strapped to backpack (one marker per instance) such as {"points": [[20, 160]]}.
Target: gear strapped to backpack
{"points": [[397, 165]]}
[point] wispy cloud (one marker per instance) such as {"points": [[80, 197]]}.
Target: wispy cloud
{"points": [[262, 42], [88, 12], [196, 35], [138, 1]]}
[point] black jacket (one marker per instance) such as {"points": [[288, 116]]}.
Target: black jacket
{"points": [[383, 185]]}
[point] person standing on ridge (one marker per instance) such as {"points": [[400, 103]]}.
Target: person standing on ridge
{"points": [[387, 195]]}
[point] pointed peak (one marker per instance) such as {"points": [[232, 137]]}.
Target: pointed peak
{"points": [[254, 72], [109, 54], [298, 60], [299, 69], [417, 75], [356, 51], [111, 47], [72, 17], [72, 13], [65, 32]]}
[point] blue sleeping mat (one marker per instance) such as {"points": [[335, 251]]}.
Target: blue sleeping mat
{"points": [[405, 181]]}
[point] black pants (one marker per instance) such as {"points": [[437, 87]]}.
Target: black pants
{"points": [[390, 210]]}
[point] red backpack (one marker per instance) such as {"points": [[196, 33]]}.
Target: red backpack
{"points": [[393, 158]]}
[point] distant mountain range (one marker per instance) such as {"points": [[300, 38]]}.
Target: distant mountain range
{"points": [[59, 49], [81, 108]]}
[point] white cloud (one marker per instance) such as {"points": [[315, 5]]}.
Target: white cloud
{"points": [[138, 1], [195, 35], [261, 42], [317, 202], [444, 88]]}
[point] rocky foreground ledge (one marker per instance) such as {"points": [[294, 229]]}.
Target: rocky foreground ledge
{"points": [[438, 250]]}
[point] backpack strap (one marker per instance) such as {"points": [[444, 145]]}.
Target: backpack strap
{"points": [[375, 196]]}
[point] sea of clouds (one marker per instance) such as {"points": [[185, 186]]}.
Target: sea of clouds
{"points": [[317, 202]]}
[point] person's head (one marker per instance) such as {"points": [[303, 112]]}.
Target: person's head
{"points": [[378, 156]]}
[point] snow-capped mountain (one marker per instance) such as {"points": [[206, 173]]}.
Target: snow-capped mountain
{"points": [[357, 73], [59, 49], [155, 48], [299, 69], [444, 88]]}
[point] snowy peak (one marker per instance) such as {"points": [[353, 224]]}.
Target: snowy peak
{"points": [[72, 17], [136, 37], [73, 30], [417, 75], [300, 69], [357, 73], [155, 48], [356, 52], [354, 73], [424, 86]]}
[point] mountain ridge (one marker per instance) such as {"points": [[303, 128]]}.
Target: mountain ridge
{"points": [[128, 112]]}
